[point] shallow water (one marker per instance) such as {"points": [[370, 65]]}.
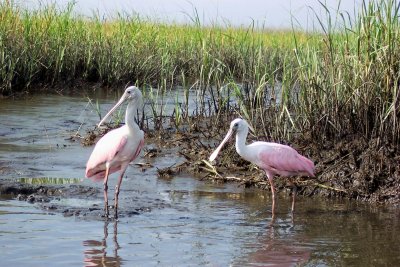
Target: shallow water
{"points": [[177, 222]]}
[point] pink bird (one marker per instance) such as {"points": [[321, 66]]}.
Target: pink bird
{"points": [[115, 150], [273, 158]]}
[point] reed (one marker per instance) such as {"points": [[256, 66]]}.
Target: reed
{"points": [[349, 78], [51, 45], [343, 80], [339, 81]]}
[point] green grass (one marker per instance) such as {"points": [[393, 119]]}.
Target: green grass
{"points": [[49, 180], [342, 80], [51, 45], [350, 80]]}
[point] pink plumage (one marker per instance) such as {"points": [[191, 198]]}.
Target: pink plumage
{"points": [[104, 151], [114, 151], [273, 158], [283, 160]]}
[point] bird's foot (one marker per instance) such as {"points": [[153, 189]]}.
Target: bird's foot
{"points": [[106, 211]]}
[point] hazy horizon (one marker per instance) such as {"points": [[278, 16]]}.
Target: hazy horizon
{"points": [[268, 13]]}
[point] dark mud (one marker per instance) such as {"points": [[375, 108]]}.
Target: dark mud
{"points": [[360, 169], [48, 197], [44, 194], [353, 168]]}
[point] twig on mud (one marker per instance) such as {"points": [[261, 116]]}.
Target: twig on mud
{"points": [[330, 188], [184, 155], [143, 164], [233, 178], [201, 144], [168, 172], [312, 183], [323, 186], [211, 168]]}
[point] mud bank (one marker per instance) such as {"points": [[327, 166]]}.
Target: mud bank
{"points": [[360, 169], [51, 198], [352, 168]]}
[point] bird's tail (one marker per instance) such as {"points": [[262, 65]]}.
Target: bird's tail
{"points": [[96, 177], [308, 166]]}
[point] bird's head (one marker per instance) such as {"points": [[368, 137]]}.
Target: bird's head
{"points": [[132, 95], [237, 126]]}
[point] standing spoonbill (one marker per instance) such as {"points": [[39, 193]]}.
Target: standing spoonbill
{"points": [[273, 158], [117, 148]]}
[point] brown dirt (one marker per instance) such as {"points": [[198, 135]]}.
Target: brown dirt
{"points": [[43, 195], [353, 167]]}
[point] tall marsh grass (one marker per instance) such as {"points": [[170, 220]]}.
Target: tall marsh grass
{"points": [[51, 45], [349, 79], [331, 83]]}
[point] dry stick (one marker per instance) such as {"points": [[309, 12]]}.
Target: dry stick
{"points": [[330, 188], [212, 169]]}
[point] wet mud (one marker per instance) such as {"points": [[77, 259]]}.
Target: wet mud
{"points": [[44, 194], [49, 198], [353, 168], [360, 169]]}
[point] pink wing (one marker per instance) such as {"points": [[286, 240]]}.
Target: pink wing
{"points": [[105, 150], [285, 161], [138, 149]]}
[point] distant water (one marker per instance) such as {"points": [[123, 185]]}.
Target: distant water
{"points": [[264, 13]]}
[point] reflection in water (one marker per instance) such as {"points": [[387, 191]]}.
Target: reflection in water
{"points": [[276, 246], [96, 254]]}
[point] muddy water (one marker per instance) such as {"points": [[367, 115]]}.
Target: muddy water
{"points": [[165, 222]]}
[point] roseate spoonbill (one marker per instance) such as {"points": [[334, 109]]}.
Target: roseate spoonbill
{"points": [[117, 148], [273, 158]]}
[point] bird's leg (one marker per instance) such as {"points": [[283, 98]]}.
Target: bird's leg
{"points": [[294, 196], [294, 191], [117, 187], [270, 178], [105, 188]]}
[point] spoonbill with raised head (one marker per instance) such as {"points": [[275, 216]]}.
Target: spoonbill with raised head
{"points": [[115, 150]]}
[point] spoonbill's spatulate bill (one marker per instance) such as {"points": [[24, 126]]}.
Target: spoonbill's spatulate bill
{"points": [[273, 158], [117, 148]]}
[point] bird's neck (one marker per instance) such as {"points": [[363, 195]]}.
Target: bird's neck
{"points": [[130, 116], [241, 147]]}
